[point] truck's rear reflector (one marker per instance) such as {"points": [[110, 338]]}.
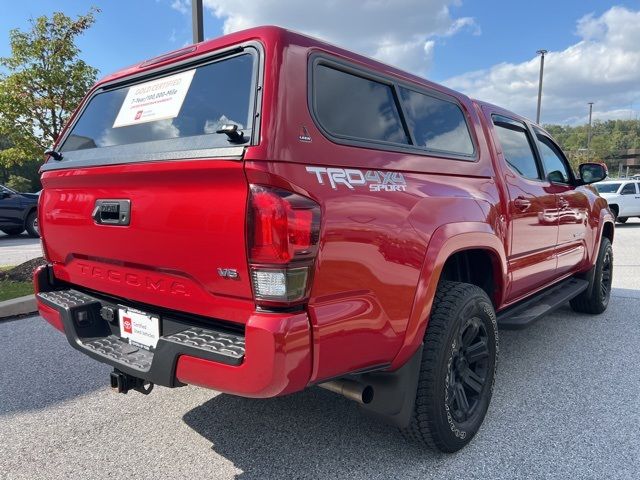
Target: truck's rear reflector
{"points": [[283, 233]]}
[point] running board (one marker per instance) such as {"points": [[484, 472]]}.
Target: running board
{"points": [[524, 314]]}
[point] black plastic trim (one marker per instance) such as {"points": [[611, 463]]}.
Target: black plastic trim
{"points": [[165, 355], [528, 311]]}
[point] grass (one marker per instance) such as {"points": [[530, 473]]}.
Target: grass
{"points": [[9, 290]]}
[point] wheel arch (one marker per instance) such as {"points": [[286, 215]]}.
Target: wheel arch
{"points": [[449, 243], [28, 211]]}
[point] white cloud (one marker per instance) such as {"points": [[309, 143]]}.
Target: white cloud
{"points": [[182, 6], [602, 67], [400, 32], [462, 23]]}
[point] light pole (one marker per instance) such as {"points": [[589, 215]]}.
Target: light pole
{"points": [[589, 134], [196, 21], [542, 53]]}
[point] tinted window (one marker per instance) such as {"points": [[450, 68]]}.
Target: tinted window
{"points": [[552, 160], [436, 124], [607, 187], [628, 189], [219, 93], [517, 149], [352, 106]]}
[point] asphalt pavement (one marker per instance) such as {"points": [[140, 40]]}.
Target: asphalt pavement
{"points": [[566, 405], [15, 250]]}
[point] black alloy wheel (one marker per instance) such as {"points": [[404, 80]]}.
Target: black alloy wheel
{"points": [[468, 370]]}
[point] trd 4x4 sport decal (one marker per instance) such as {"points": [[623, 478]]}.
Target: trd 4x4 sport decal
{"points": [[378, 181]]}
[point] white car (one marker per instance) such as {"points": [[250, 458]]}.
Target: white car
{"points": [[623, 197]]}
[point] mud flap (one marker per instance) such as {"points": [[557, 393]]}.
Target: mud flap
{"points": [[394, 392]]}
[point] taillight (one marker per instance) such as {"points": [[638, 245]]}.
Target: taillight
{"points": [[283, 233]]}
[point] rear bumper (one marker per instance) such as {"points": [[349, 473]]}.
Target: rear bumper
{"points": [[271, 357]]}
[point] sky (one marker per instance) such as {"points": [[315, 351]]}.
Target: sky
{"points": [[483, 48]]}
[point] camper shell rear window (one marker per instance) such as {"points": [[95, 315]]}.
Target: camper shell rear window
{"points": [[171, 114]]}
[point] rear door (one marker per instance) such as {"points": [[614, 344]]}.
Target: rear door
{"points": [[533, 213], [149, 202]]}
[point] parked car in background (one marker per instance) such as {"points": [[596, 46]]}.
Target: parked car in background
{"points": [[623, 197], [18, 212]]}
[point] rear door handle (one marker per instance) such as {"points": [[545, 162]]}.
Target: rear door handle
{"points": [[522, 203]]}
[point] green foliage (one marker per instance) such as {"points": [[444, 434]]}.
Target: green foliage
{"points": [[18, 183], [43, 81], [608, 140], [9, 290]]}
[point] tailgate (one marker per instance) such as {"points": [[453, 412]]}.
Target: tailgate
{"points": [[187, 221]]}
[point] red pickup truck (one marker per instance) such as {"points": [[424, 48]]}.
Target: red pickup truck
{"points": [[264, 212]]}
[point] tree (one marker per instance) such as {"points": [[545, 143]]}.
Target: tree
{"points": [[610, 140], [44, 81], [18, 183]]}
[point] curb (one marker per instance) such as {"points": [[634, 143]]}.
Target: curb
{"points": [[18, 306]]}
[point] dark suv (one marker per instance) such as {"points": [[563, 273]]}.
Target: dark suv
{"points": [[18, 212]]}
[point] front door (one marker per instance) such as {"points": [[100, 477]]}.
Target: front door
{"points": [[10, 208], [629, 200], [572, 201]]}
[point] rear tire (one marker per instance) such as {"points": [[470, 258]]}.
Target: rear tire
{"points": [[595, 299], [457, 370], [32, 225], [622, 219], [13, 230]]}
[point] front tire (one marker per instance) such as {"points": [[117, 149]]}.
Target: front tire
{"points": [[622, 219], [457, 370], [595, 298], [32, 225]]}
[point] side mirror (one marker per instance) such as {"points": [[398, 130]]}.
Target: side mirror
{"points": [[592, 172], [4, 194]]}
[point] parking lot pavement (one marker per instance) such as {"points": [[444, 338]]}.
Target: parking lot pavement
{"points": [[15, 250], [566, 405]]}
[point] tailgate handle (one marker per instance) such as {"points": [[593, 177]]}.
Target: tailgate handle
{"points": [[112, 212]]}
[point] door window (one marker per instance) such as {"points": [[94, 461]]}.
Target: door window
{"points": [[553, 161], [628, 189], [516, 147]]}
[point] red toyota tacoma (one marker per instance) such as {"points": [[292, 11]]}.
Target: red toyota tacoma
{"points": [[264, 212]]}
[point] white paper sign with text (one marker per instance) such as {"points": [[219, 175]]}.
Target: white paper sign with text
{"points": [[155, 100]]}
